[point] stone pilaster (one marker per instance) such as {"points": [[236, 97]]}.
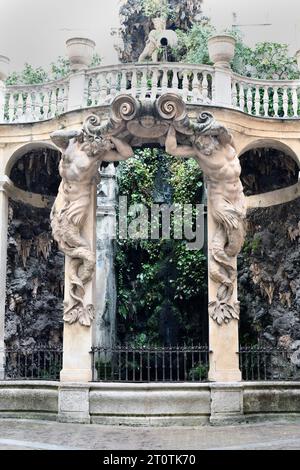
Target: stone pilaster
{"points": [[224, 338], [5, 184], [78, 339]]}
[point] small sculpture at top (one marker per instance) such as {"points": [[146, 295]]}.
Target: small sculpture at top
{"points": [[158, 37]]}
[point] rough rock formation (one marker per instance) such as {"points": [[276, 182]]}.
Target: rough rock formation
{"points": [[35, 267], [35, 279], [269, 279]]}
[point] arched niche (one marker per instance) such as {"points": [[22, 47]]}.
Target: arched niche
{"points": [[268, 165], [35, 280]]}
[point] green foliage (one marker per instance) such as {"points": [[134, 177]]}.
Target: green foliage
{"points": [[252, 246], [160, 282], [60, 68], [153, 8], [28, 76], [272, 61], [192, 45], [186, 180], [267, 60], [34, 75]]}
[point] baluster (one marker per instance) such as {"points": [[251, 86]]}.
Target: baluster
{"points": [[249, 100], [93, 91], [195, 87], [185, 85], [11, 107], [175, 81], [295, 100], [154, 85], [257, 101], [103, 87], [266, 101], [123, 83], [234, 95], [276, 102], [20, 104], [60, 103], [37, 106], [45, 106], [164, 81], [28, 108], [134, 83], [113, 84], [205, 88], [144, 83], [242, 98], [65, 97], [285, 102], [53, 102]]}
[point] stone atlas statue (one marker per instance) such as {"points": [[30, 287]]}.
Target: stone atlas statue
{"points": [[133, 123]]}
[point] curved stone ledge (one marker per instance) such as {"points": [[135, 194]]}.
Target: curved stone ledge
{"points": [[28, 399], [150, 404], [155, 404], [273, 198]]}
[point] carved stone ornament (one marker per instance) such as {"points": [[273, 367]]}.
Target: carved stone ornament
{"points": [[134, 123]]}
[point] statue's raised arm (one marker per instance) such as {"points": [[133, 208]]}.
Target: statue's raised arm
{"points": [[78, 169]]}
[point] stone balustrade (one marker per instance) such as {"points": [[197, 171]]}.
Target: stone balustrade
{"points": [[196, 84], [31, 103], [266, 98]]}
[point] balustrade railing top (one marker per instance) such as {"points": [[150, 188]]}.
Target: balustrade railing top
{"points": [[197, 84]]}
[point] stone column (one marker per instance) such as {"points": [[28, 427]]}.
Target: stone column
{"points": [[5, 183], [78, 339], [105, 274], [223, 339]]}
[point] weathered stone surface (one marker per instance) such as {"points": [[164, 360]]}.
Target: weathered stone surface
{"points": [[269, 282], [73, 404], [34, 280]]}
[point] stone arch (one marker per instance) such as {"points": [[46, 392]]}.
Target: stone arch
{"points": [[22, 150], [31, 254], [272, 143], [134, 123], [268, 165]]}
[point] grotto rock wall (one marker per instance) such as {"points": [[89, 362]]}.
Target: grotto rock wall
{"points": [[269, 279], [35, 274]]}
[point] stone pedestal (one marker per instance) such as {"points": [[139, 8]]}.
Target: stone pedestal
{"points": [[226, 403], [78, 339], [5, 183], [73, 403], [76, 92], [223, 339], [222, 89]]}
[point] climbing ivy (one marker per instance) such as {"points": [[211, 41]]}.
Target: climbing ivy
{"points": [[161, 284]]}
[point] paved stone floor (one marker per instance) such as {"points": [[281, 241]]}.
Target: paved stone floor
{"points": [[29, 434]]}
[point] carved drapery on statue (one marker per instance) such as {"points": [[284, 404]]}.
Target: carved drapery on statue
{"points": [[134, 123]]}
